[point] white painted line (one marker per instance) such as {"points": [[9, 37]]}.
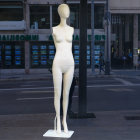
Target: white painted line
{"points": [[90, 86], [120, 90], [40, 98], [27, 88], [26, 85], [124, 81], [136, 77], [100, 86], [36, 91]]}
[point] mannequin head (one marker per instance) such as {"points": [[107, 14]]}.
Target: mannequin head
{"points": [[63, 11]]}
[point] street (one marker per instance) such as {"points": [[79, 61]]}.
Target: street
{"points": [[104, 94]]}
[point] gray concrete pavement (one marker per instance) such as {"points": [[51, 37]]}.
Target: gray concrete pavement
{"points": [[107, 126]]}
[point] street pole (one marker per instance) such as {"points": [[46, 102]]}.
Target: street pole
{"points": [[107, 59], [82, 105], [82, 61], [92, 38]]}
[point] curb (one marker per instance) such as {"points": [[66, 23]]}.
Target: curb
{"points": [[50, 77], [26, 79], [112, 76]]}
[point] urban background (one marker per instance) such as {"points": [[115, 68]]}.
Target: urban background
{"points": [[26, 43], [27, 51]]}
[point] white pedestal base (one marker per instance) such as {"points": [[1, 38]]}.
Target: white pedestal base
{"points": [[53, 133]]}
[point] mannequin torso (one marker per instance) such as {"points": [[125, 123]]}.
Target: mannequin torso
{"points": [[63, 42]]}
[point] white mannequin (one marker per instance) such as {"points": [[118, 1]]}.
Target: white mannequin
{"points": [[63, 64]]}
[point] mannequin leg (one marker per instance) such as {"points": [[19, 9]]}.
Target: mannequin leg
{"points": [[57, 80], [71, 95], [68, 76]]}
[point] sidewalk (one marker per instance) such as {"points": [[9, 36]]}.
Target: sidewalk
{"points": [[106, 126], [32, 76], [48, 75]]}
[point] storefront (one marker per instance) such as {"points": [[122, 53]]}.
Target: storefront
{"points": [[12, 50], [122, 45], [11, 55], [25, 34], [12, 26], [125, 23], [42, 52], [99, 47]]}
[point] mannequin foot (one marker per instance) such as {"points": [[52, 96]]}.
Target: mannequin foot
{"points": [[58, 129], [65, 126]]}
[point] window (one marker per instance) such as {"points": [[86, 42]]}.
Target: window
{"points": [[11, 11], [40, 17], [89, 17], [74, 15], [12, 55], [55, 16], [42, 54], [98, 16], [139, 27]]}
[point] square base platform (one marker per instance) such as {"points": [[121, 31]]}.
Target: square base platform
{"points": [[53, 133]]}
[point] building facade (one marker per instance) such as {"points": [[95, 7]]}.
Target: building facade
{"points": [[125, 25], [26, 43]]}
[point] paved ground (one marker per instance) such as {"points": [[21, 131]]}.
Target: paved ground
{"points": [[107, 126], [27, 112]]}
